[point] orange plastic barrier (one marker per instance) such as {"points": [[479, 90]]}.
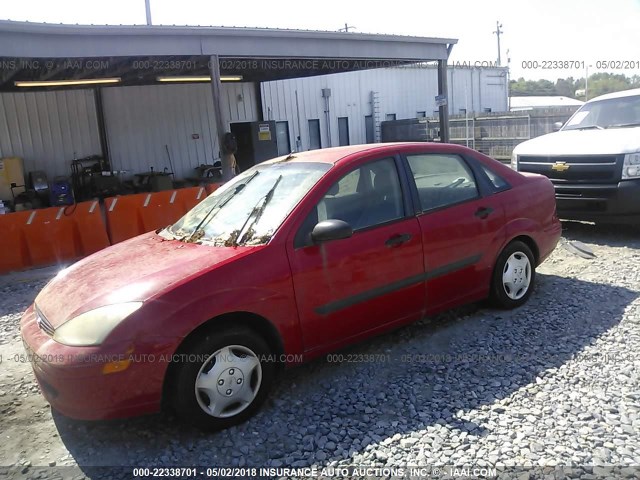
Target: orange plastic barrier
{"points": [[14, 254], [37, 238], [132, 215], [47, 236], [160, 209], [50, 236], [123, 216], [190, 197], [89, 225]]}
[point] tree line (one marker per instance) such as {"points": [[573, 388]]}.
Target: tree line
{"points": [[599, 84]]}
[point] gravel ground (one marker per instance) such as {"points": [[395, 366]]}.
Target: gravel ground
{"points": [[554, 383]]}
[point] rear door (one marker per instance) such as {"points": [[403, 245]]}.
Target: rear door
{"points": [[461, 223], [346, 288]]}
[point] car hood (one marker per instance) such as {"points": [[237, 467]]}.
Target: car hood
{"points": [[612, 141], [134, 270]]}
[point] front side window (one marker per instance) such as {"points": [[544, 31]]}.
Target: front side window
{"points": [[442, 180], [366, 196], [250, 208]]}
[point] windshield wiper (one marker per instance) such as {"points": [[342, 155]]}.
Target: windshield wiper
{"points": [[217, 207], [258, 210], [624, 125]]}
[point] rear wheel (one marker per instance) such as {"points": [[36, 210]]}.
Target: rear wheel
{"points": [[513, 276], [222, 378]]}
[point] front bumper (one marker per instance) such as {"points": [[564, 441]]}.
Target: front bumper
{"points": [[73, 382], [611, 203]]}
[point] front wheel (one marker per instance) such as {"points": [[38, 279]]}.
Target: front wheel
{"points": [[222, 378], [513, 276]]}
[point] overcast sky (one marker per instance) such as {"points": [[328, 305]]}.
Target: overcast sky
{"points": [[583, 31]]}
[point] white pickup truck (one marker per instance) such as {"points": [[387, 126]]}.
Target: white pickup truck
{"points": [[593, 160]]}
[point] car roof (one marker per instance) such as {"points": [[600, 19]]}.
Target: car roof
{"points": [[335, 154], [624, 93]]}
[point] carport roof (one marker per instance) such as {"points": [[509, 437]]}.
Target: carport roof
{"points": [[76, 48]]}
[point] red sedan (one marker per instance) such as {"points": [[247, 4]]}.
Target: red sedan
{"points": [[294, 258]]}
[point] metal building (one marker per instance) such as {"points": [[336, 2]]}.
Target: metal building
{"points": [[128, 94], [347, 108], [49, 129]]}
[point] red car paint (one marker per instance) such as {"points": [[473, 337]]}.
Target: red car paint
{"points": [[315, 299]]}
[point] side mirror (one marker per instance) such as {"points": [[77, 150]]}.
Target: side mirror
{"points": [[557, 126], [328, 230]]}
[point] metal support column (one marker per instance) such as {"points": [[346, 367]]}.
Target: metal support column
{"points": [[444, 109], [222, 124]]}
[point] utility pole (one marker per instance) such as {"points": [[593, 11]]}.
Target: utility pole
{"points": [[498, 32], [346, 28], [586, 84], [508, 80], [147, 6]]}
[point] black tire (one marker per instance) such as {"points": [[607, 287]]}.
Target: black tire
{"points": [[499, 295], [182, 383]]}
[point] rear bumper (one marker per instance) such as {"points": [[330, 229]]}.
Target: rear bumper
{"points": [[611, 203], [72, 381], [549, 240]]}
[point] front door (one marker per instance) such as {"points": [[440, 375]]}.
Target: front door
{"points": [[348, 287]]}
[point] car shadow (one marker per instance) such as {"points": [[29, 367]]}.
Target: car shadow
{"points": [[428, 373], [604, 235]]}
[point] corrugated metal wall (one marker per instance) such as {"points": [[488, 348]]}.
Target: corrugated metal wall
{"points": [[140, 121], [47, 129], [400, 91]]}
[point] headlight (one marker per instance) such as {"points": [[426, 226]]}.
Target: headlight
{"points": [[514, 161], [92, 327], [631, 166]]}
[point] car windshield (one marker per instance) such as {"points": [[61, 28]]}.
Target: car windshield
{"points": [[249, 209], [613, 113]]}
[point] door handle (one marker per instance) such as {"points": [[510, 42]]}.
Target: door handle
{"points": [[483, 212], [396, 240]]}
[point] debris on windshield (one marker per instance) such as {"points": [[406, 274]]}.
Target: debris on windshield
{"points": [[195, 236], [232, 240], [251, 232], [259, 240]]}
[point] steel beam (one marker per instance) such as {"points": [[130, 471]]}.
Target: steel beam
{"points": [[222, 123], [444, 109]]}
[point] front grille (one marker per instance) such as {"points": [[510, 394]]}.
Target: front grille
{"points": [[43, 323], [581, 168]]}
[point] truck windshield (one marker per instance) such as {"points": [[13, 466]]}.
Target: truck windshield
{"points": [[249, 209], [612, 113]]}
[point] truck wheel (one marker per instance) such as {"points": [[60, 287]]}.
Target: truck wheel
{"points": [[222, 378], [513, 276]]}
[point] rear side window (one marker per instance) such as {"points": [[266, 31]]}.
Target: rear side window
{"points": [[499, 183], [442, 180]]}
